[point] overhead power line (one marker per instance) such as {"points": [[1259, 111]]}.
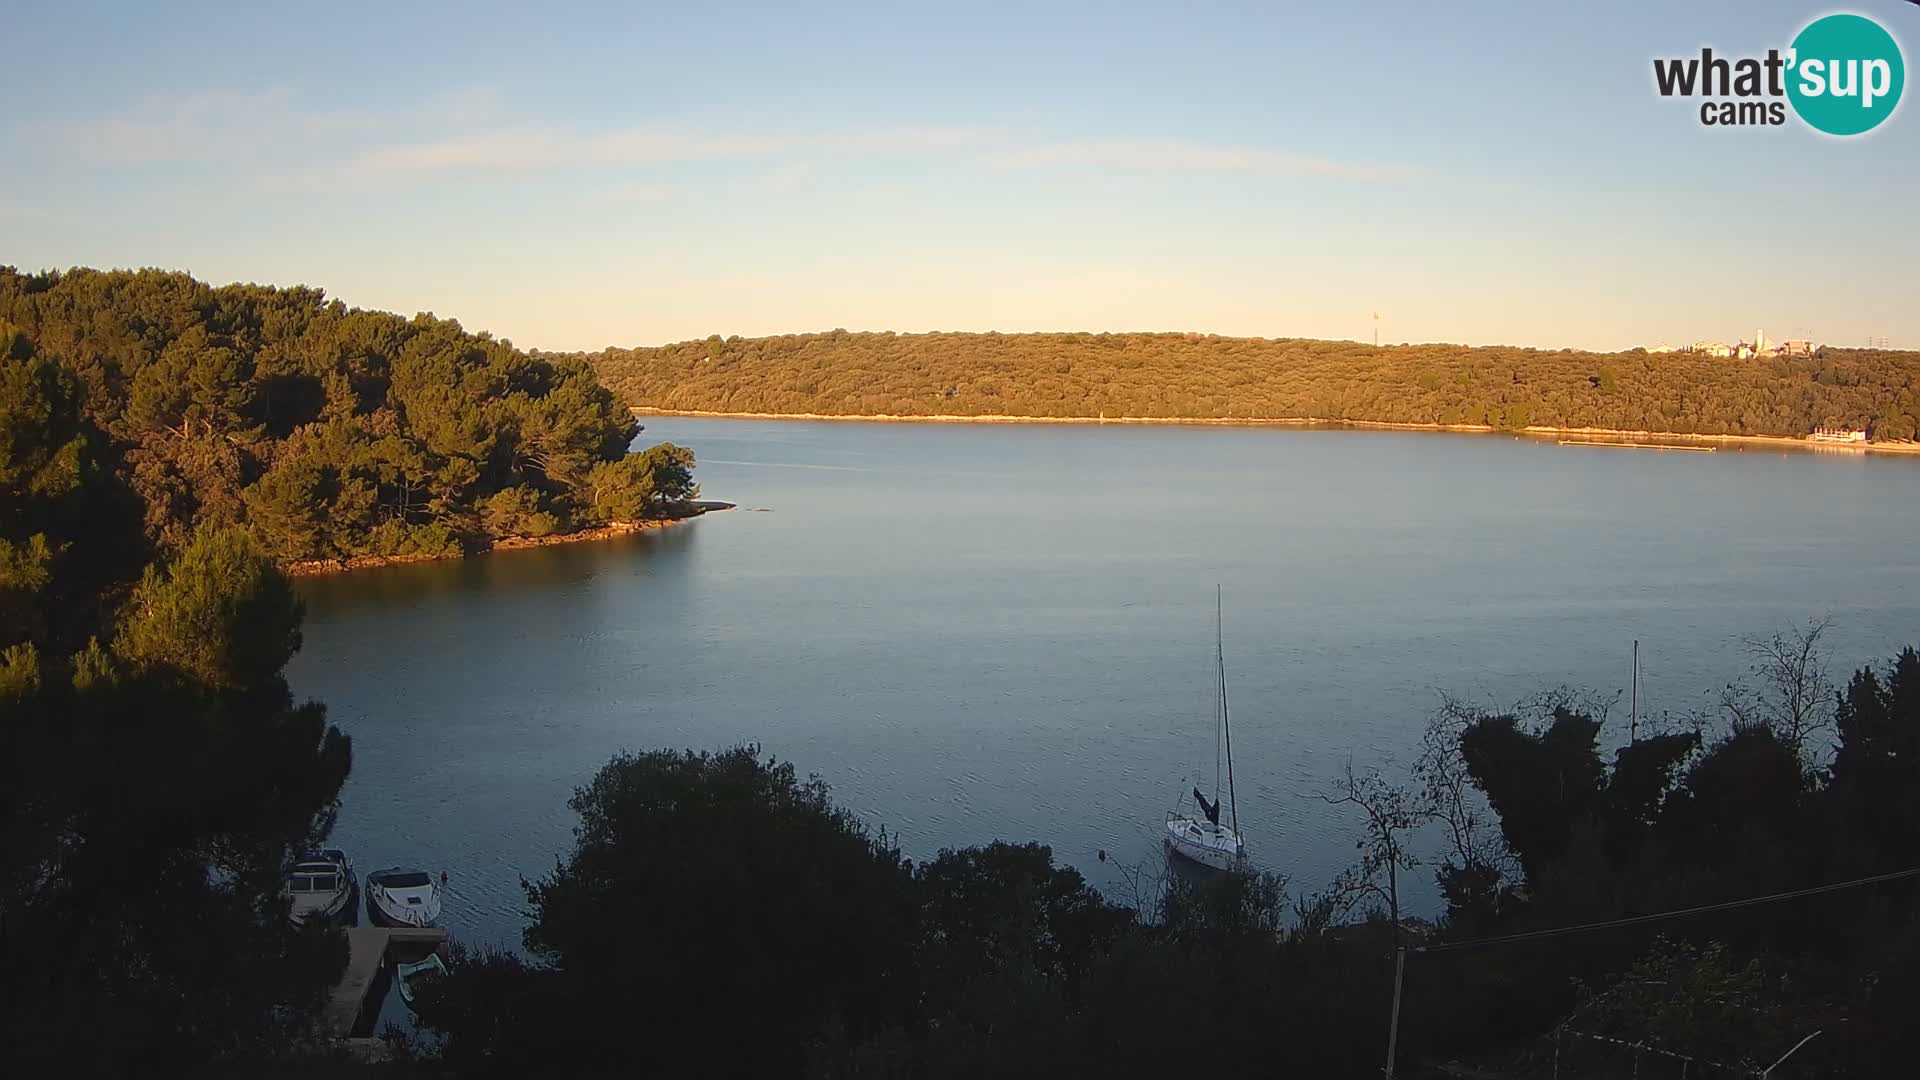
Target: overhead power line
{"points": [[1729, 905], [1400, 954]]}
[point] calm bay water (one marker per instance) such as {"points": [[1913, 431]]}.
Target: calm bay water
{"points": [[980, 632]]}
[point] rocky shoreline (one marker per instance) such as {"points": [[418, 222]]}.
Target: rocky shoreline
{"points": [[316, 567], [1534, 430]]}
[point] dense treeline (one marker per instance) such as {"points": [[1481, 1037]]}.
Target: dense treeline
{"points": [[330, 432], [1193, 375], [719, 917], [156, 775]]}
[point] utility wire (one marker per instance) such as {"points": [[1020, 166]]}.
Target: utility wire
{"points": [[1752, 901]]}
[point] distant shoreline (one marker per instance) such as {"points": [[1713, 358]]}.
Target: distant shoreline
{"points": [[321, 567], [1542, 431]]}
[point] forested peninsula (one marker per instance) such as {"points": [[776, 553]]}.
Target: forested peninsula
{"points": [[1204, 376], [336, 436]]}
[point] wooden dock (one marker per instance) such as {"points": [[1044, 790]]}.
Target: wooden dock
{"points": [[1628, 444], [369, 954]]}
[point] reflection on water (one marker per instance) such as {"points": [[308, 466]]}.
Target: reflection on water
{"points": [[415, 584], [980, 632]]}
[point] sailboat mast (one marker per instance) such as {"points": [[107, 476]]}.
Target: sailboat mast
{"points": [[1633, 717], [1220, 656]]}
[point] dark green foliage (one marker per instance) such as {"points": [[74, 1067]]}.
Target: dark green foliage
{"points": [[1748, 787], [217, 613], [1194, 375], [330, 432], [1697, 1001], [192, 387], [190, 482], [140, 882], [69, 530], [1540, 783], [1876, 768], [310, 504], [1643, 772], [1006, 945], [627, 489], [720, 912], [1217, 985], [1676, 824], [498, 1015], [1548, 786], [1148, 1010], [157, 772], [516, 511], [1006, 911]]}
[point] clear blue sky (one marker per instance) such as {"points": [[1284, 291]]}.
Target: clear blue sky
{"points": [[629, 174]]}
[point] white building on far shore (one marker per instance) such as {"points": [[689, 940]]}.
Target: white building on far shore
{"points": [[1840, 435], [1760, 346]]}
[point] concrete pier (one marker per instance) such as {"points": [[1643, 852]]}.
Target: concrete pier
{"points": [[369, 954]]}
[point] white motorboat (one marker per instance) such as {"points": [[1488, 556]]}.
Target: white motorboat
{"points": [[419, 975], [1204, 839], [320, 887], [403, 896]]}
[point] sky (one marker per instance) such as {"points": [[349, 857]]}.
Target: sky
{"points": [[579, 176]]}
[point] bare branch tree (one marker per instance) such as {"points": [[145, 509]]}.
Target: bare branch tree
{"points": [[1448, 794], [1542, 705], [1790, 690], [1143, 887], [1392, 812]]}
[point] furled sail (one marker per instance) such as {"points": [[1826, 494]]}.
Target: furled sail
{"points": [[1212, 809]]}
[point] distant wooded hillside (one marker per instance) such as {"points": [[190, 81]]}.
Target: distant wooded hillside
{"points": [[327, 431], [1194, 375]]}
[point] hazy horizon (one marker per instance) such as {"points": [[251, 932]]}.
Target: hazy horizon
{"points": [[536, 346], [609, 177]]}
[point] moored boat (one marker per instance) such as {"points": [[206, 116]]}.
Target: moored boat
{"points": [[320, 887], [404, 896], [1208, 843], [417, 976], [1204, 839]]}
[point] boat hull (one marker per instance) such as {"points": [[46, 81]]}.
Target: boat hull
{"points": [[410, 977], [1209, 845], [337, 909], [340, 906], [405, 905], [383, 910]]}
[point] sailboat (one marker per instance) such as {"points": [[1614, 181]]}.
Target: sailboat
{"points": [[1203, 839]]}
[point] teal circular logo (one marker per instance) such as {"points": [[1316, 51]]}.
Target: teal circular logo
{"points": [[1846, 74]]}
